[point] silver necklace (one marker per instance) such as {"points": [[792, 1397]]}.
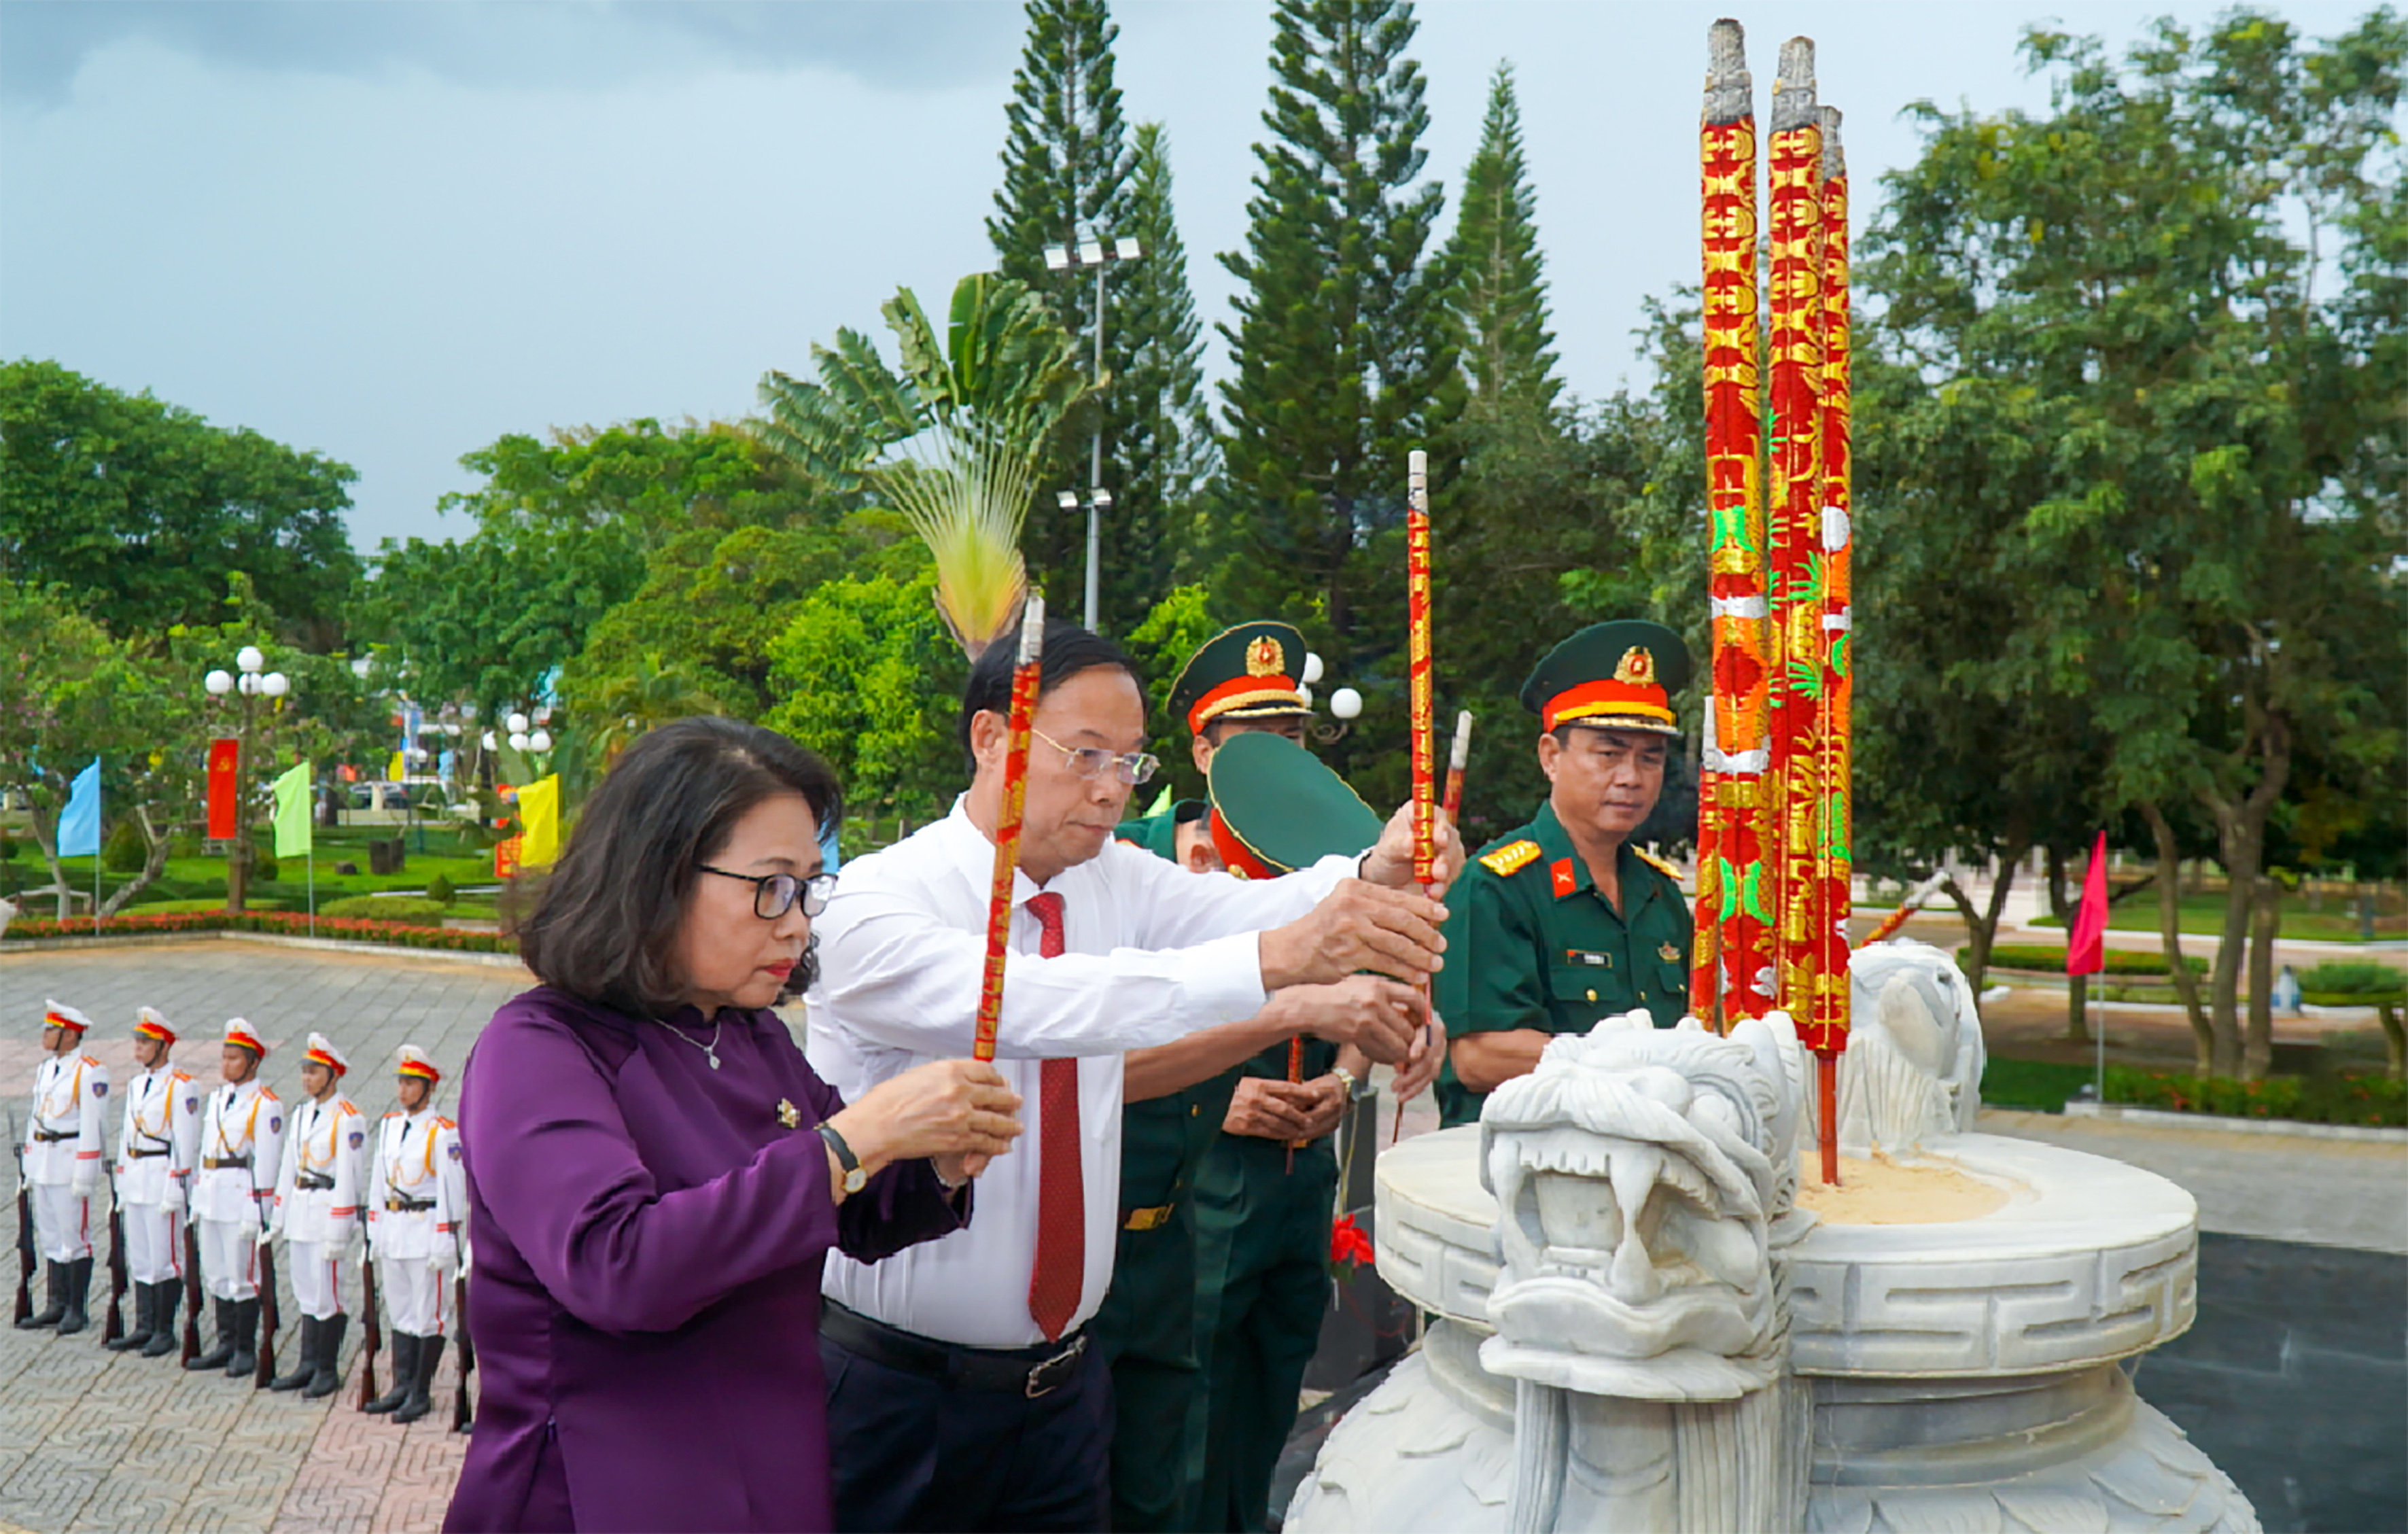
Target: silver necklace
{"points": [[710, 1048]]}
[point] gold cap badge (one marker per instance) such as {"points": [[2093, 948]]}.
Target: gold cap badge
{"points": [[1263, 658], [1638, 667]]}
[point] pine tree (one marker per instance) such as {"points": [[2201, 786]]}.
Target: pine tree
{"points": [[1342, 350], [1067, 166], [1496, 277], [1159, 439]]}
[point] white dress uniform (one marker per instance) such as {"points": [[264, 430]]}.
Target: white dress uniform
{"points": [[65, 1145], [418, 1202], [156, 1153], [318, 1198], [242, 1146]]}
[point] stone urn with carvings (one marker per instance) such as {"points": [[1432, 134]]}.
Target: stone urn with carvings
{"points": [[1641, 1320]]}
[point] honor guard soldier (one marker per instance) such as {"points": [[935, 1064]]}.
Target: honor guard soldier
{"points": [[65, 1142], [318, 1193], [156, 1151], [242, 1146], [418, 1206], [1563, 921]]}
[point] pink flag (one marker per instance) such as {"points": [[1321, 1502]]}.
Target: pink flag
{"points": [[2086, 951]]}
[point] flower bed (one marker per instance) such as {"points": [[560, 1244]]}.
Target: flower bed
{"points": [[2308, 1099], [282, 923]]}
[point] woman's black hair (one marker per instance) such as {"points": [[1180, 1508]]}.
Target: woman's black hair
{"points": [[1069, 651], [606, 916]]}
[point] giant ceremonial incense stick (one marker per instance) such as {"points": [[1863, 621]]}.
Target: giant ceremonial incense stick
{"points": [[1423, 710], [1006, 823], [1828, 1015], [1734, 809]]}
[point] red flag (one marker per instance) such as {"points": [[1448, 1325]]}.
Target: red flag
{"points": [[2086, 951], [225, 792]]}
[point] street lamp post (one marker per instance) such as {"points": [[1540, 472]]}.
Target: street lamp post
{"points": [[251, 683], [1098, 252]]}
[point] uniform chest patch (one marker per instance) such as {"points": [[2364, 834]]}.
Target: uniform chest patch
{"points": [[1595, 961], [455, 1150], [192, 1105], [1667, 953], [1510, 859]]}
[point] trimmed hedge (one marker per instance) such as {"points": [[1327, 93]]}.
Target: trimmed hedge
{"points": [[284, 923], [2353, 984], [385, 908], [2308, 1099], [2044, 958]]}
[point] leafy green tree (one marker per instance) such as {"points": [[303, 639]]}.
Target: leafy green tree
{"points": [[865, 676], [2117, 324], [1342, 349], [59, 697], [1498, 279], [141, 509]]}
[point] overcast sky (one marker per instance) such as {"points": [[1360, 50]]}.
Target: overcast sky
{"points": [[392, 231]]}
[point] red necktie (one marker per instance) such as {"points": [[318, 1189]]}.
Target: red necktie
{"points": [[1060, 1270]]}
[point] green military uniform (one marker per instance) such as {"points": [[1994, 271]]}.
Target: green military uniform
{"points": [[1531, 941], [1146, 1328], [1263, 1215]]}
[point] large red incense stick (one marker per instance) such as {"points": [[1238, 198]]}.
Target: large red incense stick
{"points": [[1422, 706], [1829, 1012], [1006, 823]]}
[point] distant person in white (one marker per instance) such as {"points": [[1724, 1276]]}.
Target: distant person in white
{"points": [[952, 1342]]}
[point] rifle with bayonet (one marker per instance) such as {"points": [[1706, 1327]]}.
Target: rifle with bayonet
{"points": [[29, 1257], [268, 1318], [460, 1417], [371, 1327], [114, 1329], [191, 1283]]}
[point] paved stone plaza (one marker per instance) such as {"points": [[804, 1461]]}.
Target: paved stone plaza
{"points": [[93, 1439]]}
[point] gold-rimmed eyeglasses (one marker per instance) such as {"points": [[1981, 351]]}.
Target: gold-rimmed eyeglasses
{"points": [[1134, 766]]}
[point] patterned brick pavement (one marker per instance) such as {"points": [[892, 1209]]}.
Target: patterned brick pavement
{"points": [[97, 1441]]}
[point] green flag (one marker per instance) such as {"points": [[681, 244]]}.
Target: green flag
{"points": [[292, 812]]}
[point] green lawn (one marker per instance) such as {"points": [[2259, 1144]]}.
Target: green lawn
{"points": [[2031, 1083], [198, 883], [2203, 914]]}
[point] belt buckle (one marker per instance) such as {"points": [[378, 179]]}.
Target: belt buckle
{"points": [[1042, 1382]]}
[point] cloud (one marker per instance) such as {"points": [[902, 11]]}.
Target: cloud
{"points": [[559, 43]]}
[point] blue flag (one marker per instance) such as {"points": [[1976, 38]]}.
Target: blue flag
{"points": [[80, 822]]}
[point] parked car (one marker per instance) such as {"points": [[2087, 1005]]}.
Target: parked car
{"points": [[379, 797]]}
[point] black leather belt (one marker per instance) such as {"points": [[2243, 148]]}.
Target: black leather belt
{"points": [[225, 1163], [312, 1182], [137, 1153], [1032, 1371], [402, 1204], [47, 1137]]}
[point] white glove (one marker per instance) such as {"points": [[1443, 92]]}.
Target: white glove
{"points": [[266, 1234], [445, 1259], [87, 1178]]}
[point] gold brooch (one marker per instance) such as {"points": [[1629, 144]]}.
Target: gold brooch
{"points": [[787, 1114]]}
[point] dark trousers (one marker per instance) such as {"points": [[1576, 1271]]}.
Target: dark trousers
{"points": [[911, 1452], [1147, 1333]]}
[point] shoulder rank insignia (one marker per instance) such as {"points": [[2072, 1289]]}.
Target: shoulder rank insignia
{"points": [[1662, 865], [1510, 859]]}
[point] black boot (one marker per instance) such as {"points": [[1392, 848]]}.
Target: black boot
{"points": [[244, 1361], [329, 1376], [405, 1368], [50, 1315], [78, 1283], [163, 1296], [141, 1330], [222, 1313], [422, 1381], [304, 1367]]}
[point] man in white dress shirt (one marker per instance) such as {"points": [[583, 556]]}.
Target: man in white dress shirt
{"points": [[962, 1393]]}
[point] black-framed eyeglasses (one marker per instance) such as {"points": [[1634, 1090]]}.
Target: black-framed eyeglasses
{"points": [[1134, 766], [775, 894]]}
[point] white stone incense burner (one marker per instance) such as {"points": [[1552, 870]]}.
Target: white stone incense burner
{"points": [[1636, 1324]]}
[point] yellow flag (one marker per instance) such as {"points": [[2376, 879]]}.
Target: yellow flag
{"points": [[539, 812], [395, 770]]}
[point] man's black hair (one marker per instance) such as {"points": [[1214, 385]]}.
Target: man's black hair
{"points": [[1069, 651]]}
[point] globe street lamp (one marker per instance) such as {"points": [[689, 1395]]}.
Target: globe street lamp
{"points": [[1099, 251], [248, 683]]}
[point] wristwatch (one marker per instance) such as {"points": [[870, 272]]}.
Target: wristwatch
{"points": [[855, 1178], [1345, 1079]]}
